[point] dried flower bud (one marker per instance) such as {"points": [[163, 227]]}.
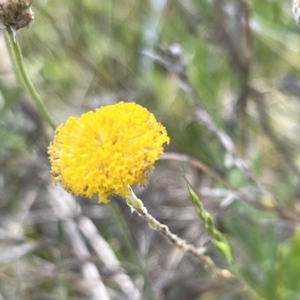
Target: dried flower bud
{"points": [[15, 14]]}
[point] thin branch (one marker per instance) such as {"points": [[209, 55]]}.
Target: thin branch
{"points": [[223, 274]]}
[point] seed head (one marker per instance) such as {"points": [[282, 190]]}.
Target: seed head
{"points": [[15, 14]]}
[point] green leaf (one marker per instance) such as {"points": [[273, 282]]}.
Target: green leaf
{"points": [[205, 217]]}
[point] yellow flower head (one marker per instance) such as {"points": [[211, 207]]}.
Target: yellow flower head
{"points": [[106, 150]]}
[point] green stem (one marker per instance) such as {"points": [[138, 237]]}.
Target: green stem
{"points": [[16, 51]]}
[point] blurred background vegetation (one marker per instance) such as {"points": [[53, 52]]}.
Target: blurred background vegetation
{"points": [[242, 64]]}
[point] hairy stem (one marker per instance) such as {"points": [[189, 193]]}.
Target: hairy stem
{"points": [[19, 63], [223, 274]]}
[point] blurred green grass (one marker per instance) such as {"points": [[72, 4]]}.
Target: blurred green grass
{"points": [[84, 54]]}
